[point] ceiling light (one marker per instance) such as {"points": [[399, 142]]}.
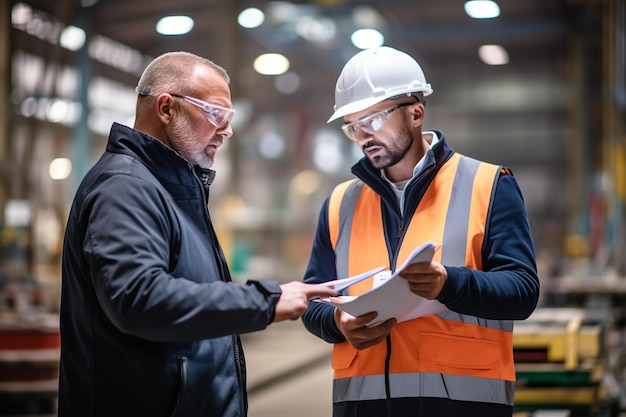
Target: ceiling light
{"points": [[367, 38], [251, 18], [482, 9], [316, 29], [72, 38], [284, 11], [174, 25], [116, 55], [57, 111], [60, 168], [271, 64], [493, 55], [21, 15]]}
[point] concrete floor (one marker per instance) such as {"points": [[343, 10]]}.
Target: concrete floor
{"points": [[289, 372]]}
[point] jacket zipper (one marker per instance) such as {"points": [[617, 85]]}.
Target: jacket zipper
{"points": [[399, 237], [205, 182], [240, 377]]}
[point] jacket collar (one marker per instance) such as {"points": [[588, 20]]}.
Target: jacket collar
{"points": [[163, 161]]}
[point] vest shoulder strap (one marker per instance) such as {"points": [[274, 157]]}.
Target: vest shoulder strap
{"points": [[334, 204]]}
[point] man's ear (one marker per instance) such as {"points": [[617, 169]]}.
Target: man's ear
{"points": [[164, 108], [417, 113]]}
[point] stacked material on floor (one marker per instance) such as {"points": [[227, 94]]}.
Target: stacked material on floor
{"points": [[29, 364], [560, 362]]}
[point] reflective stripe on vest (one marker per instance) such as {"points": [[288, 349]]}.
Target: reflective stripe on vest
{"points": [[458, 350], [408, 385]]}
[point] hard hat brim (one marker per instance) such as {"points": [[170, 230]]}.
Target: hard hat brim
{"points": [[357, 106], [354, 107]]}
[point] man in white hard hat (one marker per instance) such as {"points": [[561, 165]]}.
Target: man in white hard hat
{"points": [[412, 187]]}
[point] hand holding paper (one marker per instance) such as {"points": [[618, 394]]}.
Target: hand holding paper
{"points": [[393, 299]]}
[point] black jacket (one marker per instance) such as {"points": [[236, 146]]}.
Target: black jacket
{"points": [[149, 317]]}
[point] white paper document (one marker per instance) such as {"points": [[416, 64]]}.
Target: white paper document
{"points": [[342, 284], [393, 298]]}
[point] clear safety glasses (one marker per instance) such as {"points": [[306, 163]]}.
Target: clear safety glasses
{"points": [[218, 116], [372, 123]]}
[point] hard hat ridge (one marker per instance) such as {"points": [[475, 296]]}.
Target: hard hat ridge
{"points": [[374, 75]]}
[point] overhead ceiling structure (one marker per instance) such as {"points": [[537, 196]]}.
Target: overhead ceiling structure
{"points": [[514, 114], [315, 35]]}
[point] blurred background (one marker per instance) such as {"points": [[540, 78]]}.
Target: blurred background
{"points": [[535, 85]]}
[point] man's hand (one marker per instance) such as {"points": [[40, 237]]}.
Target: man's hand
{"points": [[295, 299], [357, 334], [425, 279]]}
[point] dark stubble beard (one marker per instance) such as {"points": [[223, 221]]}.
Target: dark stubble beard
{"points": [[396, 152]]}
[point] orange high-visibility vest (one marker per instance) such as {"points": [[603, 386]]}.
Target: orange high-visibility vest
{"points": [[448, 355]]}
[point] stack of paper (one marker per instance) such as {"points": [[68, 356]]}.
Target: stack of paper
{"points": [[392, 299]]}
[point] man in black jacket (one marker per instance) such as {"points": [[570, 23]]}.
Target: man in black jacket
{"points": [[149, 316]]}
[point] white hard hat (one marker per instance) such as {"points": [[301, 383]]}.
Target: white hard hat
{"points": [[374, 75]]}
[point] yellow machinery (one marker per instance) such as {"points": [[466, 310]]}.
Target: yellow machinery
{"points": [[560, 362]]}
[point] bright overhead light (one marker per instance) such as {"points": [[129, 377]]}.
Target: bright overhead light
{"points": [[60, 168], [271, 64], [251, 18], [174, 25], [493, 55], [367, 38], [482, 9], [72, 38], [21, 15], [316, 29], [57, 111]]}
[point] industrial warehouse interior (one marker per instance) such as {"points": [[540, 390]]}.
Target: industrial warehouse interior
{"points": [[538, 87]]}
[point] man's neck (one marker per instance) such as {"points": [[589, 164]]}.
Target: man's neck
{"points": [[403, 170]]}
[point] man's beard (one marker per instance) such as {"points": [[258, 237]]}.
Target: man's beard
{"points": [[400, 148], [183, 140]]}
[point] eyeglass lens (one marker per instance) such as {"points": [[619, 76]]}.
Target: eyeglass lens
{"points": [[371, 123], [217, 115]]}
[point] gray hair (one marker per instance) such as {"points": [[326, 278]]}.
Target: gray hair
{"points": [[170, 72]]}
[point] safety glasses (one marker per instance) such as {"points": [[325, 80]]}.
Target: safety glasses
{"points": [[371, 123], [218, 116]]}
